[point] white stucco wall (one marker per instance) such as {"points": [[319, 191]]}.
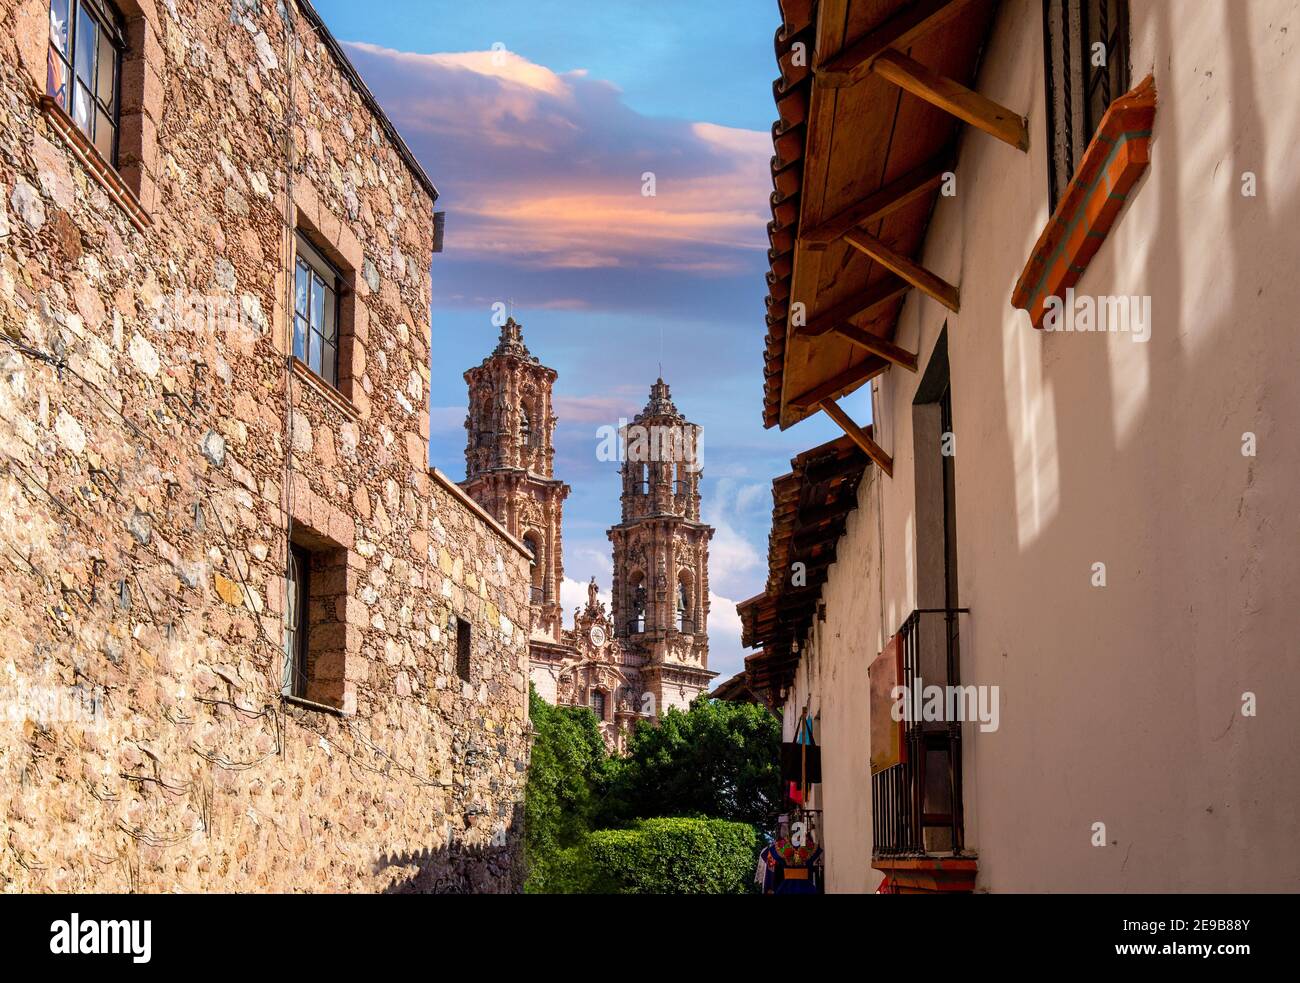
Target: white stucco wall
{"points": [[832, 683], [1119, 704]]}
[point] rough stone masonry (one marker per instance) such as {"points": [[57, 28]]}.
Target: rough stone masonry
{"points": [[159, 451]]}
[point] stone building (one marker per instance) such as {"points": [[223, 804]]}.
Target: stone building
{"points": [[251, 640], [651, 651]]}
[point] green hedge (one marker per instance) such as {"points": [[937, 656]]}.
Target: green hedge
{"points": [[670, 856]]}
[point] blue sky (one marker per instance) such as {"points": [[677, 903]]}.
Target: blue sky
{"points": [[538, 121]]}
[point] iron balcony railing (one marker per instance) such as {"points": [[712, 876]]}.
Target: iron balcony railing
{"points": [[913, 813]]}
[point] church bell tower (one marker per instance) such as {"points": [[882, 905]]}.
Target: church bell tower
{"points": [[661, 553], [509, 460]]}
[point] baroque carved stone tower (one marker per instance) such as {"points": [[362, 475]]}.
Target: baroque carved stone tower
{"points": [[661, 553], [509, 459]]}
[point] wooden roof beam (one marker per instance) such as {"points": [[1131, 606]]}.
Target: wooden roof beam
{"points": [[840, 384], [853, 63], [878, 346], [953, 97], [884, 201], [914, 273], [859, 436], [861, 304]]}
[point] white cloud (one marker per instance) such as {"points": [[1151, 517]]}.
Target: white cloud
{"points": [[733, 559], [547, 167], [573, 594], [750, 495], [726, 656]]}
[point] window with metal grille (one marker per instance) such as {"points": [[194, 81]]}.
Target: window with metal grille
{"points": [[598, 703], [316, 312], [83, 68], [463, 649], [1086, 47]]}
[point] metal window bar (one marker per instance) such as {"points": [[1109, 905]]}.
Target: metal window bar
{"points": [[1070, 29], [898, 802]]}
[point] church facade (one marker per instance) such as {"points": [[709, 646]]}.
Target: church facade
{"points": [[649, 650]]}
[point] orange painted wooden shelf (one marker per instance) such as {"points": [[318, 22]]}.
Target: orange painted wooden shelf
{"points": [[1091, 202], [943, 875]]}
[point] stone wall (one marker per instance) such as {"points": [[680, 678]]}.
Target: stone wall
{"points": [[154, 466]]}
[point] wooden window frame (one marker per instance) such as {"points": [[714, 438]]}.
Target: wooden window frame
{"points": [[464, 650], [296, 625], [108, 25], [310, 260]]}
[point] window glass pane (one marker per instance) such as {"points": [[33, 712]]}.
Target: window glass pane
{"points": [[106, 70], [59, 25], [300, 338], [293, 620], [104, 135], [317, 304], [56, 79], [330, 322], [300, 299], [81, 107], [313, 352], [331, 362], [84, 45]]}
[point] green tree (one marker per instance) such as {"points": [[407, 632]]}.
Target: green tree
{"points": [[718, 759], [567, 766], [671, 856]]}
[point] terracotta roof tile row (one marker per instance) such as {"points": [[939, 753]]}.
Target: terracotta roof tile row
{"points": [[791, 91], [810, 506]]}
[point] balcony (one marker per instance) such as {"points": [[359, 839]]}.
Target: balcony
{"points": [[916, 799]]}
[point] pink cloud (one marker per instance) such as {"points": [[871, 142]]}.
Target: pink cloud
{"points": [[545, 170], [594, 409]]}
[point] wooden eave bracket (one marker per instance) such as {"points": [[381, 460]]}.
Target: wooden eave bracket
{"points": [[861, 304], [881, 52], [877, 205], [915, 274], [853, 63], [839, 384], [953, 97], [858, 436], [878, 346]]}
